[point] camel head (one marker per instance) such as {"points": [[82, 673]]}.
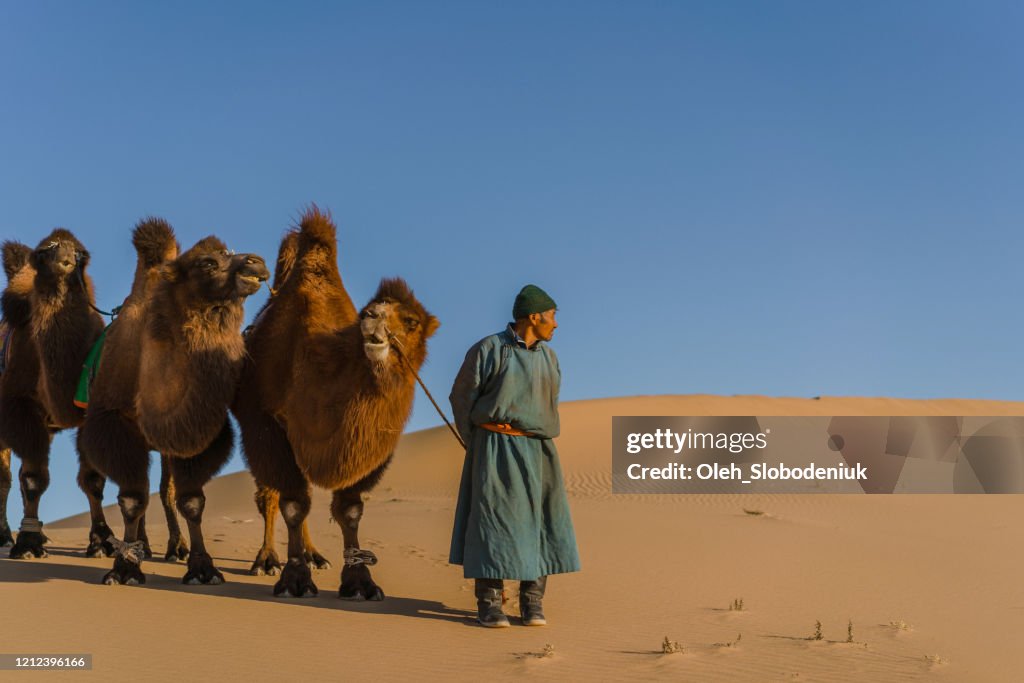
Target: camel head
{"points": [[395, 318], [58, 258], [212, 273]]}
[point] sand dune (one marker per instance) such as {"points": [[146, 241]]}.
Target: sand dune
{"points": [[930, 583]]}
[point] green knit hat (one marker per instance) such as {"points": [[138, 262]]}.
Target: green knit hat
{"points": [[531, 299]]}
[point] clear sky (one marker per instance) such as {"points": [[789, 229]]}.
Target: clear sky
{"points": [[782, 198]]}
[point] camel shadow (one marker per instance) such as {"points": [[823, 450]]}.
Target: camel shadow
{"points": [[43, 570]]}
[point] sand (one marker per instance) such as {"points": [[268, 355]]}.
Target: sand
{"points": [[931, 584]]}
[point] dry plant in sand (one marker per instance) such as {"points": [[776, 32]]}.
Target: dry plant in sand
{"points": [[731, 643], [671, 647], [817, 635], [546, 652]]}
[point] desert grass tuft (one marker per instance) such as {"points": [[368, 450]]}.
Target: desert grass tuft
{"points": [[818, 635], [546, 653], [670, 647], [731, 643]]}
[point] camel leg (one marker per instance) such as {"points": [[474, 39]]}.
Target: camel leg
{"points": [[91, 482], [34, 479], [347, 510], [113, 445], [296, 579], [144, 539], [6, 538], [190, 476], [177, 549], [26, 434], [312, 556], [266, 561], [270, 459]]}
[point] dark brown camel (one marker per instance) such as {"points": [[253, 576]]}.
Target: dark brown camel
{"points": [[324, 395], [48, 305], [15, 257], [166, 377]]}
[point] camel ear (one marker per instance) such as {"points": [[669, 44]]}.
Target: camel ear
{"points": [[432, 325], [15, 256]]}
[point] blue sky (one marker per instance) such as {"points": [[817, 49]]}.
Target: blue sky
{"points": [[783, 198]]}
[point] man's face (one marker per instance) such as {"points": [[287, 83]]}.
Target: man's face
{"points": [[544, 324]]}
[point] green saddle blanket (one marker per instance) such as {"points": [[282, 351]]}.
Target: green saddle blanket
{"points": [[89, 369]]}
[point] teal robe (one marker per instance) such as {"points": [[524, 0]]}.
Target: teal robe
{"points": [[512, 518]]}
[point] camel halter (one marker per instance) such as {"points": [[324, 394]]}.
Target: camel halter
{"points": [[398, 347], [81, 280]]}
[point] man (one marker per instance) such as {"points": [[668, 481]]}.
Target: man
{"points": [[512, 519]]}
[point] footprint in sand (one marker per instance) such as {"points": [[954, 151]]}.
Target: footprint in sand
{"points": [[414, 551]]}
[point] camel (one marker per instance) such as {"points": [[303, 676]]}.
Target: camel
{"points": [[324, 395], [14, 257], [166, 377], [48, 304]]}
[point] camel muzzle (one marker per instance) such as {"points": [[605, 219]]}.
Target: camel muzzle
{"points": [[251, 273]]}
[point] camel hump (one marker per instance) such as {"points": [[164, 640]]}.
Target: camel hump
{"points": [[286, 255], [15, 256], [154, 241], [316, 229]]}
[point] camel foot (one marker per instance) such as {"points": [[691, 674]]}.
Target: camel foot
{"points": [[99, 541], [357, 584], [6, 538], [202, 571], [177, 549], [124, 573], [296, 580], [315, 560], [266, 563], [147, 550], [29, 544]]}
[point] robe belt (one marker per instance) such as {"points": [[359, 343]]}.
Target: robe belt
{"points": [[504, 428]]}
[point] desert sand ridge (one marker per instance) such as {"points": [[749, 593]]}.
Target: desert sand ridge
{"points": [[930, 583]]}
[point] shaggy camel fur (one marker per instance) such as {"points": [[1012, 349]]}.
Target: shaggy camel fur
{"points": [[324, 395], [48, 304], [168, 372]]}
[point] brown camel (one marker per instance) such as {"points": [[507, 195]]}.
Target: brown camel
{"points": [[48, 306], [324, 396], [15, 257], [166, 377]]}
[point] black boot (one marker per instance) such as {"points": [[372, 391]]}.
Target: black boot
{"points": [[488, 603], [531, 593]]}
